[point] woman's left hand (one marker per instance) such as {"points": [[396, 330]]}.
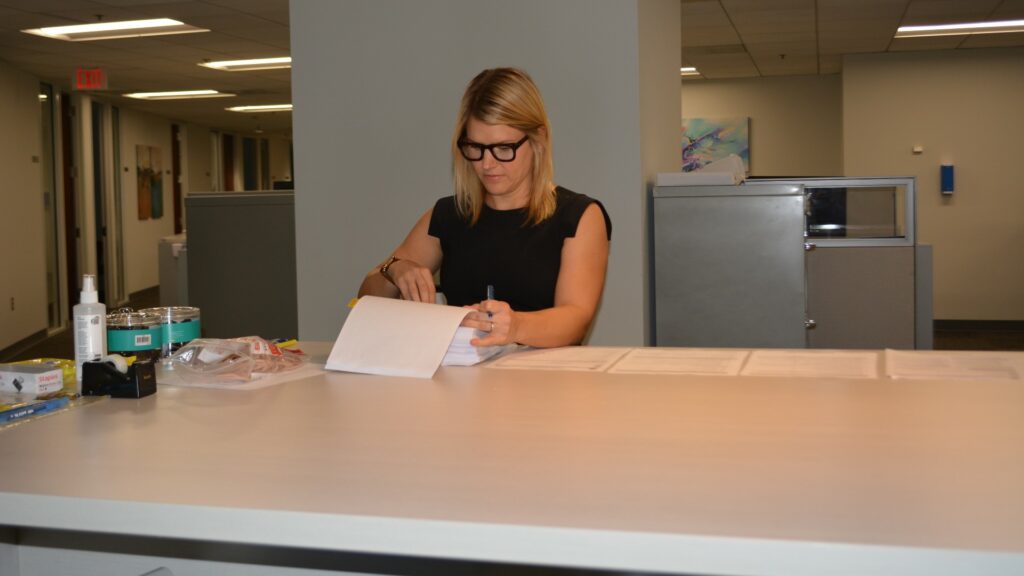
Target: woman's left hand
{"points": [[496, 319]]}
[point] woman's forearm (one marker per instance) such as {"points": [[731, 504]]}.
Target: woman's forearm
{"points": [[376, 284], [565, 325]]}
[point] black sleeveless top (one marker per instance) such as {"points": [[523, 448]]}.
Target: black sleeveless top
{"points": [[521, 261]]}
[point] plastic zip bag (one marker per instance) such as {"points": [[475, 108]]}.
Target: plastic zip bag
{"points": [[271, 358], [214, 360], [206, 360]]}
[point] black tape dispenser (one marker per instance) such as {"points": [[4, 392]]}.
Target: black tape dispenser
{"points": [[112, 376]]}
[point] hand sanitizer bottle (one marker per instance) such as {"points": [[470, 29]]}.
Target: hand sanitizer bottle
{"points": [[90, 317]]}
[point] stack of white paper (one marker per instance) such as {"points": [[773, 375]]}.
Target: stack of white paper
{"points": [[462, 353]]}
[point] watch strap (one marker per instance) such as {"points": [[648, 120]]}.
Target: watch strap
{"points": [[384, 269]]}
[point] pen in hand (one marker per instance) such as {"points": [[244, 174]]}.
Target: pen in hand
{"points": [[490, 296]]}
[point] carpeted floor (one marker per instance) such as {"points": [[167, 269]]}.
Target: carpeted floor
{"points": [[968, 335]]}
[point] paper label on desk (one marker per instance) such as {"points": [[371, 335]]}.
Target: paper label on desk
{"points": [[395, 337], [949, 365], [583, 358], [696, 361], [812, 364]]}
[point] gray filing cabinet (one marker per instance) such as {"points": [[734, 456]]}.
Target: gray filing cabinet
{"points": [[241, 263], [816, 262], [729, 266]]}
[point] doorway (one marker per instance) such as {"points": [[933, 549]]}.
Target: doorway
{"points": [[71, 229], [108, 212], [51, 207], [176, 176], [100, 206]]}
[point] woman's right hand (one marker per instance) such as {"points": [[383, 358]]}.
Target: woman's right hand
{"points": [[414, 282]]}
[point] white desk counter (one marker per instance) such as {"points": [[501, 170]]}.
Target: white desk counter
{"points": [[710, 475]]}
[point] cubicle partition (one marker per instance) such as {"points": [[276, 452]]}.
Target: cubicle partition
{"points": [[241, 263]]}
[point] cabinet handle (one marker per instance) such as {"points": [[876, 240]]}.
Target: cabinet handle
{"points": [[810, 324], [808, 246]]}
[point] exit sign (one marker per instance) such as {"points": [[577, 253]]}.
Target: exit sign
{"points": [[90, 79]]}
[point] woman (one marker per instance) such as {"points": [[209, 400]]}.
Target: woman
{"points": [[527, 256]]}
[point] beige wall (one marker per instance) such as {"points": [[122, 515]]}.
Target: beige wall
{"points": [[659, 60], [198, 163], [795, 121], [963, 107], [280, 160], [21, 209], [143, 236]]}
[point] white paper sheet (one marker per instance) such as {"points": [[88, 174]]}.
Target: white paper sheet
{"points": [[812, 363], [395, 337], [949, 365], [698, 361], [580, 358]]}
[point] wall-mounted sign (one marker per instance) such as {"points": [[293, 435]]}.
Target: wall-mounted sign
{"points": [[90, 79]]}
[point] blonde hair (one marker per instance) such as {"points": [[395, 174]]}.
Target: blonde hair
{"points": [[505, 96]]}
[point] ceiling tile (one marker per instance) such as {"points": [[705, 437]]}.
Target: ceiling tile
{"points": [[87, 16], [792, 64], [704, 23], [994, 40], [779, 16], [856, 36], [925, 43], [736, 65], [1009, 10], [920, 12], [830, 63]]}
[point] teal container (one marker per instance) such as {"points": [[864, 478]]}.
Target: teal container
{"points": [[178, 325], [134, 334]]}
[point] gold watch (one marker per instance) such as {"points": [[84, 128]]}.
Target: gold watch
{"points": [[384, 270]]}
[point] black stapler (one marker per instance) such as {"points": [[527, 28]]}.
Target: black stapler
{"points": [[101, 378]]}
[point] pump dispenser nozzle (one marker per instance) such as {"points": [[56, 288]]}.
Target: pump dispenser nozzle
{"points": [[89, 295]]}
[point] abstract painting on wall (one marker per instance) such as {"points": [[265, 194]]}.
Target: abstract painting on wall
{"points": [[708, 139], [156, 183], [150, 183]]}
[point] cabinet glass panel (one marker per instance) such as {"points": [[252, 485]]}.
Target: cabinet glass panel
{"points": [[857, 212]]}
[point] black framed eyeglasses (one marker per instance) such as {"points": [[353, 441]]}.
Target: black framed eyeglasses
{"points": [[502, 152]]}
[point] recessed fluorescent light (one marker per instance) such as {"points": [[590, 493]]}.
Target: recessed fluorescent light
{"points": [[111, 30], [251, 64], [688, 71], [960, 29], [261, 108], [179, 95]]}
